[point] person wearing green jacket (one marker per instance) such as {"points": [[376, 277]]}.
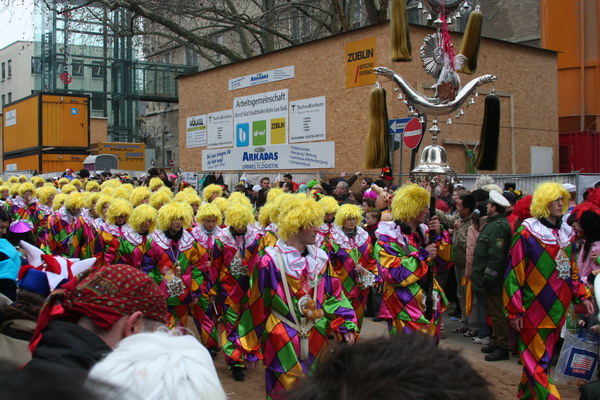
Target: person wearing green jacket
{"points": [[489, 266]]}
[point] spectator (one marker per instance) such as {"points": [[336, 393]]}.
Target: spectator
{"points": [[446, 192], [265, 183], [288, 178], [342, 193], [157, 366], [288, 187]]}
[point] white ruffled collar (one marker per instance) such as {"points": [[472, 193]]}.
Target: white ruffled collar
{"points": [[295, 264], [225, 236], [272, 228], [66, 216], [185, 243], [133, 236], [201, 235], [114, 229], [46, 210], [340, 238], [563, 236]]}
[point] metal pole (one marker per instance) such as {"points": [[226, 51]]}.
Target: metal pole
{"points": [[401, 149]]}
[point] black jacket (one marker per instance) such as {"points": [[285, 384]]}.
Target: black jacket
{"points": [[68, 346]]}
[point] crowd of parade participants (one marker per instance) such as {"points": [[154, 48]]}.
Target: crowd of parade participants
{"points": [[105, 278]]}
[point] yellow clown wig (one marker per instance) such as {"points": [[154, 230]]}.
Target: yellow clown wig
{"points": [[239, 216], [277, 205], [59, 201], [264, 215], [45, 193], [141, 214], [159, 199], [239, 198], [220, 202], [111, 183], [23, 179], [92, 186], [25, 187], [118, 208], [37, 181], [1, 181], [3, 188], [77, 183], [409, 201], [299, 213], [155, 184], [68, 189], [272, 194], [122, 193], [191, 198], [14, 179], [139, 195], [346, 212], [90, 199], [210, 190], [545, 194], [172, 211], [74, 201], [329, 205], [102, 201], [166, 190], [208, 210], [62, 182], [14, 189], [180, 196]]}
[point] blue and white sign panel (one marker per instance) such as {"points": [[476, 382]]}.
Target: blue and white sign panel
{"points": [[318, 155], [274, 75]]}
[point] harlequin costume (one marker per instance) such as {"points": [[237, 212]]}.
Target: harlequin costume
{"points": [[45, 196], [235, 258], [541, 281], [108, 239], [404, 264], [68, 232], [330, 206], [350, 255], [204, 309], [133, 242], [26, 206], [295, 302], [172, 261]]}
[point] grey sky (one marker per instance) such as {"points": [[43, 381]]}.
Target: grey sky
{"points": [[16, 21]]}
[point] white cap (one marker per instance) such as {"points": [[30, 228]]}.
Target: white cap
{"points": [[498, 199], [256, 188], [570, 187]]}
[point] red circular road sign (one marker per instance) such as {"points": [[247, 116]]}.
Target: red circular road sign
{"points": [[413, 132], [66, 78], [172, 163]]}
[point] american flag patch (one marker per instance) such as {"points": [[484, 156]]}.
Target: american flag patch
{"points": [[581, 361]]}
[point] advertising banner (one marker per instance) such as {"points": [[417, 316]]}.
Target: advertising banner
{"points": [[274, 75], [219, 129], [307, 120], [319, 155], [361, 58], [261, 119], [196, 131]]}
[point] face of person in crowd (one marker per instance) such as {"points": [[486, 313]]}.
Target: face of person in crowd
{"points": [[286, 189], [329, 217], [577, 229], [162, 175], [239, 231], [364, 185], [121, 219], [350, 225], [105, 208], [195, 207], [491, 209], [75, 211], [5, 194], [463, 212], [213, 196], [4, 228], [286, 179], [421, 218], [51, 200], [265, 183], [556, 208], [27, 196], [371, 220], [444, 190], [365, 206], [144, 227], [308, 236], [209, 223], [340, 188], [146, 200], [176, 225]]}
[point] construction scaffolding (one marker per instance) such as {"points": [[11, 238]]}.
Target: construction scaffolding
{"points": [[86, 50]]}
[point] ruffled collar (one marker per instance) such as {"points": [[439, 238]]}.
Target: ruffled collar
{"points": [[272, 228], [46, 210], [115, 230], [133, 236], [390, 229], [227, 238], [561, 236], [66, 216], [340, 238], [295, 264], [201, 235], [183, 244]]}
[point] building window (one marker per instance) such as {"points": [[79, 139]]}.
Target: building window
{"points": [[36, 65], [9, 68], [3, 99], [10, 97], [60, 67], [98, 103], [3, 71], [78, 68], [97, 69]]}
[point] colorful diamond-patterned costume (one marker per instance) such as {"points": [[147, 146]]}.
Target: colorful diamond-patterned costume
{"points": [[350, 256], [268, 238], [107, 243], [267, 326], [30, 212], [539, 286], [204, 309], [235, 259], [173, 264], [323, 234], [131, 250], [403, 264], [67, 235], [42, 234]]}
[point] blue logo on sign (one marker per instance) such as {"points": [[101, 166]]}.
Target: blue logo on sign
{"points": [[74, 111], [242, 135]]}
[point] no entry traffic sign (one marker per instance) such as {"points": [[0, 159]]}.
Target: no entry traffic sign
{"points": [[413, 132]]}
